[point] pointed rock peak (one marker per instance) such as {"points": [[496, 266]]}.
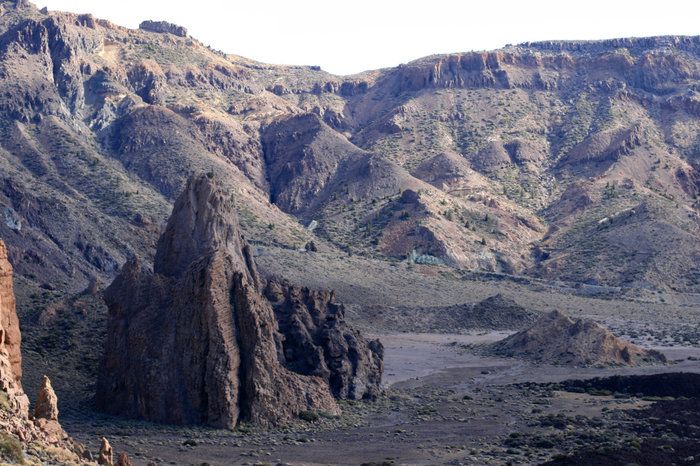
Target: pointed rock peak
{"points": [[106, 455], [203, 220], [47, 402]]}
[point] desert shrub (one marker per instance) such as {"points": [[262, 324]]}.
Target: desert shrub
{"points": [[10, 448], [5, 403], [326, 415], [308, 416], [61, 455]]}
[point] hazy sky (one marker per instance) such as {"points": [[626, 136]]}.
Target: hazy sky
{"points": [[351, 36]]}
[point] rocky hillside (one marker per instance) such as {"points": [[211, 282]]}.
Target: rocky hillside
{"points": [[559, 339], [569, 160]]}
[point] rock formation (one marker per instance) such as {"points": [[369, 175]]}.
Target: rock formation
{"points": [[10, 337], [163, 27], [106, 454], [558, 339], [14, 415], [47, 402], [195, 342], [316, 341], [123, 460]]}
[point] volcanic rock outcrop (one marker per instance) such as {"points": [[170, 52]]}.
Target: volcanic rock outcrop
{"points": [[317, 341], [106, 453], [195, 342], [559, 339], [10, 338], [14, 412], [47, 402], [163, 27]]}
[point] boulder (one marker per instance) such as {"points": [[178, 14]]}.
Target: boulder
{"points": [[123, 460]]}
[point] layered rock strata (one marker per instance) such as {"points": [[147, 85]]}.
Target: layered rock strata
{"points": [[195, 342]]}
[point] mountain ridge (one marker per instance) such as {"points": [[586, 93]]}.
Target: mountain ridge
{"points": [[514, 155]]}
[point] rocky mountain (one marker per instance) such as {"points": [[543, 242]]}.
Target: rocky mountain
{"points": [[569, 160], [197, 342], [559, 339]]}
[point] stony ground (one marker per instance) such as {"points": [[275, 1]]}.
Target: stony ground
{"points": [[446, 401], [445, 404]]}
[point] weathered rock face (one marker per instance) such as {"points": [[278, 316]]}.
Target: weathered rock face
{"points": [[47, 402], [106, 453], [10, 337], [317, 341], [14, 415], [163, 27], [195, 342], [557, 338]]}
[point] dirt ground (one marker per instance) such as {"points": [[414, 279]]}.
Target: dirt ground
{"points": [[445, 403]]}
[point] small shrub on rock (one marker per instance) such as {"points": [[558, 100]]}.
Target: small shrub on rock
{"points": [[10, 448], [308, 416]]}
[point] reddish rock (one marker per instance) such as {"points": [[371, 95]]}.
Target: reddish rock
{"points": [[10, 337], [195, 342], [47, 402], [123, 460], [106, 455]]}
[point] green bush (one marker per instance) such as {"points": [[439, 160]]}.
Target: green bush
{"points": [[308, 416], [5, 403], [10, 448]]}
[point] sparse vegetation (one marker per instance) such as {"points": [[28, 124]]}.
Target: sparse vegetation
{"points": [[11, 449]]}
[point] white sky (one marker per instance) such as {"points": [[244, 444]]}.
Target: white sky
{"points": [[356, 35]]}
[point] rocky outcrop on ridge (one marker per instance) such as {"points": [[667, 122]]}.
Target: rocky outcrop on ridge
{"points": [[163, 27], [559, 339], [195, 342]]}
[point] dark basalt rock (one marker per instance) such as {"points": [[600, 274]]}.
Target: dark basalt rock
{"points": [[195, 342], [318, 341]]}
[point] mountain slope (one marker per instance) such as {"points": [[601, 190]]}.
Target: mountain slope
{"points": [[566, 160]]}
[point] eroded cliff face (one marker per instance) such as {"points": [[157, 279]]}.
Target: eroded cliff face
{"points": [[42, 426], [317, 341], [10, 336], [195, 342], [10, 339]]}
